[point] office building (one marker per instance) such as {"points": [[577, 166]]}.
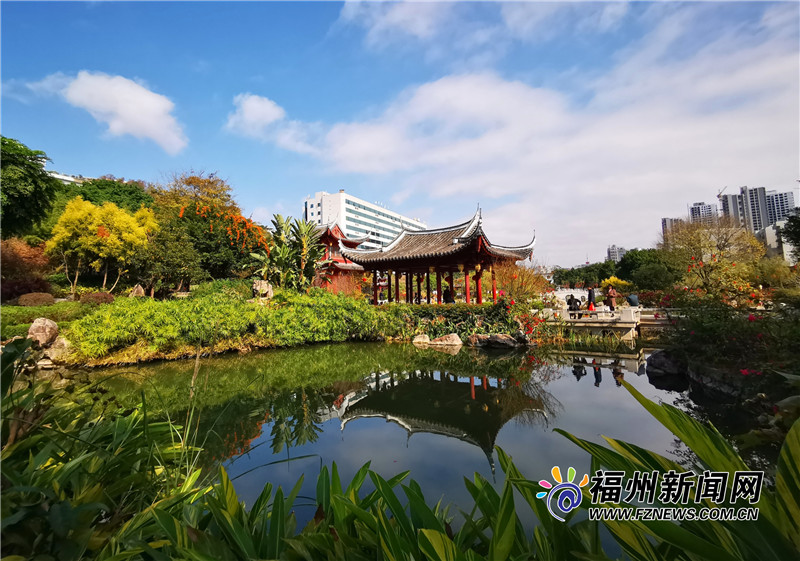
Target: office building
{"points": [[616, 253], [779, 205], [358, 218], [702, 212], [667, 224], [755, 208]]}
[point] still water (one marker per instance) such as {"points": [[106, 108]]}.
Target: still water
{"points": [[276, 415]]}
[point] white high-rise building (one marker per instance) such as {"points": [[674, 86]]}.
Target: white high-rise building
{"points": [[702, 212], [358, 218], [779, 205], [755, 208], [615, 253]]}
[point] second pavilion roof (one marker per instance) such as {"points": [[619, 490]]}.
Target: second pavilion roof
{"points": [[464, 244]]}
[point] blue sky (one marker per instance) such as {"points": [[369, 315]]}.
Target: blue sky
{"points": [[587, 122]]}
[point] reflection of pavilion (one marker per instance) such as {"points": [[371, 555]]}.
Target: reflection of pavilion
{"points": [[472, 411]]}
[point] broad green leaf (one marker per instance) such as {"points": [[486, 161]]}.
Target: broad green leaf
{"points": [[504, 527], [437, 546], [787, 486]]}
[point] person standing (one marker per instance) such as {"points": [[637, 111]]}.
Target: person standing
{"points": [[611, 297], [590, 298]]}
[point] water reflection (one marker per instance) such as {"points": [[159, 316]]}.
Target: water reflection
{"points": [[443, 403], [401, 407]]}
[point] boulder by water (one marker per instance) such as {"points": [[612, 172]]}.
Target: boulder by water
{"points": [[452, 339], [43, 331]]}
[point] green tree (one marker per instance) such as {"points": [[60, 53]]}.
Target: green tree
{"points": [[28, 190], [654, 276], [790, 233], [294, 256], [101, 237], [168, 260], [128, 195]]}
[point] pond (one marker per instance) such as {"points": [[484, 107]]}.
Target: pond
{"points": [[275, 415]]}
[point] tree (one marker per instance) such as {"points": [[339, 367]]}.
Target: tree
{"points": [[191, 190], [718, 257], [28, 190], [103, 238], [294, 255], [168, 260], [790, 233], [128, 195]]}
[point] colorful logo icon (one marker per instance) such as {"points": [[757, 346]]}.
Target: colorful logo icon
{"points": [[566, 494]]}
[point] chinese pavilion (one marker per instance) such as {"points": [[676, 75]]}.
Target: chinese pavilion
{"points": [[340, 269], [443, 252]]}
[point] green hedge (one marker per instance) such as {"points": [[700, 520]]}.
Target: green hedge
{"points": [[17, 319], [288, 319]]}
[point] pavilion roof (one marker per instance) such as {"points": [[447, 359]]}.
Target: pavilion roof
{"points": [[467, 238], [333, 233]]}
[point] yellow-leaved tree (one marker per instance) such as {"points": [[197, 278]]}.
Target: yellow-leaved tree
{"points": [[102, 237]]}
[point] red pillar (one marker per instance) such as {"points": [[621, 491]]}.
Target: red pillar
{"points": [[494, 287], [419, 287], [438, 287], [472, 387], [467, 295], [389, 286], [484, 382], [408, 288], [397, 286], [428, 286], [478, 288], [375, 287]]}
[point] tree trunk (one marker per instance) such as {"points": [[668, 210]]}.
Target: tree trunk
{"points": [[75, 282], [105, 276], [152, 291], [119, 274]]}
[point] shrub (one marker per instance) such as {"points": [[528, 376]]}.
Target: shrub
{"points": [[12, 288], [788, 296], [97, 298], [21, 260], [239, 288], [36, 299], [62, 311]]}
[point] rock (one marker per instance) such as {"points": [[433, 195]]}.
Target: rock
{"points": [[665, 363], [43, 331], [666, 371], [58, 351], [477, 340], [421, 340], [137, 292], [789, 405], [45, 364], [502, 341], [452, 339], [262, 289], [520, 337]]}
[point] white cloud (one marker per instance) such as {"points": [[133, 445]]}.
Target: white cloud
{"points": [[386, 22], [261, 118], [127, 107], [253, 115], [659, 132]]}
